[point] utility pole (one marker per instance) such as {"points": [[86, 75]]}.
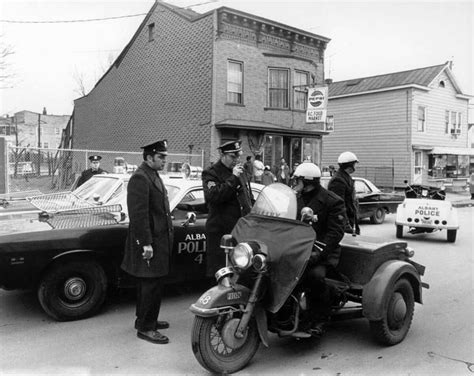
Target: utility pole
{"points": [[39, 144]]}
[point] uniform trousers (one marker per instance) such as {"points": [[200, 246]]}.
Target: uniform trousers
{"points": [[149, 292], [320, 294]]}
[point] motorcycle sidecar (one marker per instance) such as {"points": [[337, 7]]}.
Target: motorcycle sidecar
{"points": [[388, 282]]}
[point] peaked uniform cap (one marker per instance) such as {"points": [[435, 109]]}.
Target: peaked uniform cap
{"points": [[231, 146], [158, 147], [95, 158]]}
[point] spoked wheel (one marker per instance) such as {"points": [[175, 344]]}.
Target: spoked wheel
{"points": [[378, 217], [217, 349], [398, 314]]}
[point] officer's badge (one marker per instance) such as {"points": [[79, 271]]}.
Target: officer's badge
{"points": [[211, 184]]}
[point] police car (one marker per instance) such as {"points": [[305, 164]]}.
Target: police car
{"points": [[71, 249]]}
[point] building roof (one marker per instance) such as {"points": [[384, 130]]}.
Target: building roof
{"points": [[421, 77]]}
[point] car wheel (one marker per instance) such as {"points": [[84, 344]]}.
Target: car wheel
{"points": [[399, 231], [452, 236], [73, 290], [399, 308], [378, 217]]}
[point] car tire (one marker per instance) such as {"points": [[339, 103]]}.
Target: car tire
{"points": [[378, 217], [399, 233], [399, 308], [452, 236], [73, 290]]}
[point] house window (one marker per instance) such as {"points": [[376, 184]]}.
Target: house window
{"points": [[301, 92], [56, 131], [421, 124], [418, 163], [453, 122], [278, 88], [151, 32], [46, 145], [235, 80]]}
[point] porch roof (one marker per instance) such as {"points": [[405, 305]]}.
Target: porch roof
{"points": [[266, 127], [452, 151]]}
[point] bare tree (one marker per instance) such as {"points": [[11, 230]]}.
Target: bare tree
{"points": [[5, 74], [80, 82]]}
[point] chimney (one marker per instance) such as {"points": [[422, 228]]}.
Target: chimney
{"points": [[44, 111], [328, 81]]}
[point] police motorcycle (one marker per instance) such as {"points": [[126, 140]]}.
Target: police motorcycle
{"points": [[426, 210], [259, 291]]}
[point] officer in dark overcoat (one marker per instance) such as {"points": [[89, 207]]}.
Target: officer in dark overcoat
{"points": [[228, 196], [342, 184], [149, 240], [329, 227], [93, 170]]}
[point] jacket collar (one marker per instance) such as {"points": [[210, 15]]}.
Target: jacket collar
{"points": [[153, 175]]}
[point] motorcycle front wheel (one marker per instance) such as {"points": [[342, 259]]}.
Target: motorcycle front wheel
{"points": [[215, 347]]}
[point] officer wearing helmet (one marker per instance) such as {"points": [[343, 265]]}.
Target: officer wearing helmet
{"points": [[342, 184], [329, 228]]}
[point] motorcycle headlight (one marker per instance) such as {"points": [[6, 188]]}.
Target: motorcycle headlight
{"points": [[241, 255]]}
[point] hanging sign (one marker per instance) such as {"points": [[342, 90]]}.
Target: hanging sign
{"points": [[317, 104]]}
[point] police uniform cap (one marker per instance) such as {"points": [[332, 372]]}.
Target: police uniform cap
{"points": [[158, 147], [231, 146], [95, 158]]}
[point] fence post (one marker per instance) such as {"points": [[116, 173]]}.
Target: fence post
{"points": [[3, 165]]}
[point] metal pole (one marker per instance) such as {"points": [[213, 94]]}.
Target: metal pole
{"points": [[39, 144]]}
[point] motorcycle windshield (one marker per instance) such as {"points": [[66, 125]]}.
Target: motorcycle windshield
{"points": [[276, 200], [289, 242]]}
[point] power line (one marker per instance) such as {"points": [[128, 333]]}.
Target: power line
{"points": [[71, 21]]}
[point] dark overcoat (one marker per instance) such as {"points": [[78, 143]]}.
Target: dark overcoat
{"points": [[228, 198], [87, 174], [329, 227], [342, 184], [150, 223]]}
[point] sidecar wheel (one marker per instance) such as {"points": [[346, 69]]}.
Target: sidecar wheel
{"points": [[398, 314], [378, 217], [399, 234], [212, 352], [452, 236]]}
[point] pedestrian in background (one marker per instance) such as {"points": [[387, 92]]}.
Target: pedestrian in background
{"points": [[283, 174], [94, 169], [248, 168], [149, 240], [228, 196], [342, 184], [267, 176], [258, 168]]}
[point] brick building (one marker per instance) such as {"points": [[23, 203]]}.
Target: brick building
{"points": [[201, 79]]}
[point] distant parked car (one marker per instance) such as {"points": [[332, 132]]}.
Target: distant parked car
{"points": [[373, 203]]}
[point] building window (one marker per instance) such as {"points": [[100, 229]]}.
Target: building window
{"points": [[278, 88], [453, 122], [56, 131], [421, 124], [301, 92], [418, 163], [151, 32], [441, 84], [235, 75], [46, 145]]}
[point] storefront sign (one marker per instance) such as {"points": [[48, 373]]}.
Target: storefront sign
{"points": [[317, 104]]}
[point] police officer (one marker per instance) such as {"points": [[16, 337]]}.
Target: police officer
{"points": [[329, 228], [93, 170], [149, 240], [342, 184], [228, 196]]}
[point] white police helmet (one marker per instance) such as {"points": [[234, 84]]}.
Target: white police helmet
{"points": [[307, 171], [347, 157]]}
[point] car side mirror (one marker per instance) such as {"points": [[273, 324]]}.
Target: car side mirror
{"points": [[190, 219]]}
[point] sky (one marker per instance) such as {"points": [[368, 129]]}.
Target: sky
{"points": [[367, 38]]}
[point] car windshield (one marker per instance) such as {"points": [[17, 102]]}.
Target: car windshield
{"points": [[172, 191], [98, 186], [276, 200]]}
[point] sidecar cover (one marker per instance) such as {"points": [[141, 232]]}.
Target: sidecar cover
{"points": [[289, 245]]}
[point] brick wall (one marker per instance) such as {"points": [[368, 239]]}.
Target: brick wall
{"points": [[161, 89]]}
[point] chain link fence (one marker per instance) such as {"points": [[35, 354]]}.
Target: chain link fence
{"points": [[55, 170]]}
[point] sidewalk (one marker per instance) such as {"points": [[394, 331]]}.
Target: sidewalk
{"points": [[460, 199]]}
